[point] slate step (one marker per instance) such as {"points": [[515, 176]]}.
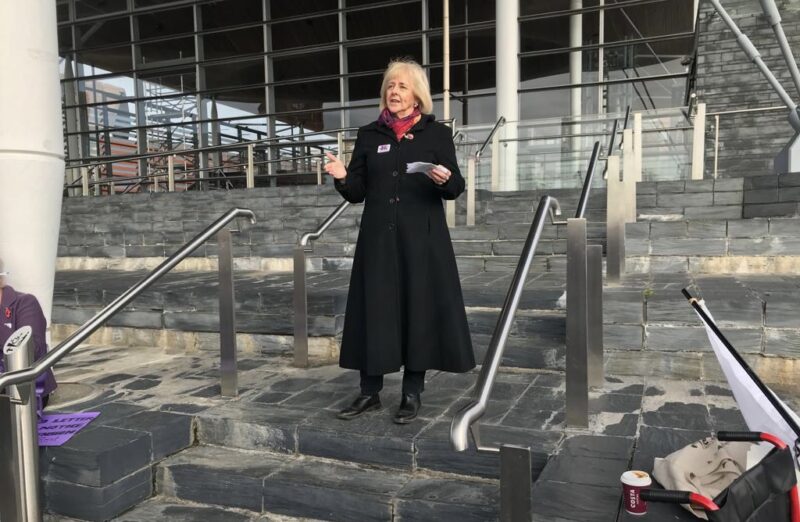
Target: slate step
{"points": [[758, 245], [371, 440], [108, 467], [263, 482], [756, 312]]}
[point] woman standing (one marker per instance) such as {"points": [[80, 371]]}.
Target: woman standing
{"points": [[404, 306]]}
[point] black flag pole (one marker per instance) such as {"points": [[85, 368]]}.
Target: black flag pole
{"points": [[756, 380]]}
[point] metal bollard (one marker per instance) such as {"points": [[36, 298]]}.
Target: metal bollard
{"points": [[229, 381], [300, 308], [515, 483], [577, 325], [594, 304], [615, 219], [19, 444]]}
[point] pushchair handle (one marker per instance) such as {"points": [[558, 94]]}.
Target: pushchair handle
{"points": [[678, 497], [665, 495], [750, 436]]}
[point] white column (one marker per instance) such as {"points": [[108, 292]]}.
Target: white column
{"points": [[507, 81], [31, 147], [575, 68]]}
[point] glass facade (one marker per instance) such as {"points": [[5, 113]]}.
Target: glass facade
{"points": [[142, 76]]}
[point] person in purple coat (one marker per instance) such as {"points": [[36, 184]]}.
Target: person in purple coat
{"points": [[18, 310]]}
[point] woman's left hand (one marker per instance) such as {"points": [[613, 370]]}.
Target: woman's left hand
{"points": [[439, 174]]}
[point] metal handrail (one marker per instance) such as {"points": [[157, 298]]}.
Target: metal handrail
{"points": [[587, 182], [82, 333], [464, 421], [325, 224], [613, 138], [300, 295], [500, 121]]}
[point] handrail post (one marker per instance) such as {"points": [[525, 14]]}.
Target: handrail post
{"points": [[96, 181], [251, 174], [84, 181], [699, 142], [300, 302], [319, 171], [171, 173], [637, 146], [495, 163], [594, 304], [229, 386], [19, 498], [577, 378], [471, 192], [629, 176], [615, 222], [515, 483]]}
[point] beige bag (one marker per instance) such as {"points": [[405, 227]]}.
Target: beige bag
{"points": [[706, 467]]}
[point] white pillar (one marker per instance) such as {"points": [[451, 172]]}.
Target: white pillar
{"points": [[507, 81], [575, 68], [31, 146]]}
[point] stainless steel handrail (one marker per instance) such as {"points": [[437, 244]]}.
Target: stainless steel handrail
{"points": [[500, 121], [300, 294], [587, 182], [82, 333], [464, 421], [325, 224]]}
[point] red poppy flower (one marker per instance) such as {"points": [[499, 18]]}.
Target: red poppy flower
{"points": [[8, 312]]}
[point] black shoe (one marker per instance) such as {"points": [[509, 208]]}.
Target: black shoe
{"points": [[362, 404], [409, 407]]}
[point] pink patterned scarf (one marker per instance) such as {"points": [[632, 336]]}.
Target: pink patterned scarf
{"points": [[399, 125]]}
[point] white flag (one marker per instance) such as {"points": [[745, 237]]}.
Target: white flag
{"points": [[758, 412]]}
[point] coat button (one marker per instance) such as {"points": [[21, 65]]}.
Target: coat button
{"points": [[394, 173], [391, 201], [391, 226]]}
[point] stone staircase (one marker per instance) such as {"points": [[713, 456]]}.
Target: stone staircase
{"points": [[277, 452]]}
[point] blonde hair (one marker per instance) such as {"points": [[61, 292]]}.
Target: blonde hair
{"points": [[419, 83]]}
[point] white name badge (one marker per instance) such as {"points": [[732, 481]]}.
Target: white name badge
{"points": [[384, 148]]}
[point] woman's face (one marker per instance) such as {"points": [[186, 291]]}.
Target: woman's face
{"points": [[400, 98]]}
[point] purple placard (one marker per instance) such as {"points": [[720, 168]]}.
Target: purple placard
{"points": [[57, 428]]}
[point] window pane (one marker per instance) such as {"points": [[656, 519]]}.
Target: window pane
{"points": [[233, 74], [365, 88], [230, 12], [109, 58], [169, 50], [285, 9], [104, 32], [384, 21], [324, 63], [311, 31], [165, 23], [305, 97], [234, 43], [86, 8], [376, 57]]}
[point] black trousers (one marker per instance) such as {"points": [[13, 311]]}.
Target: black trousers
{"points": [[413, 382]]}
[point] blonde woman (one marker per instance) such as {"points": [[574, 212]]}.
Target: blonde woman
{"points": [[404, 307]]}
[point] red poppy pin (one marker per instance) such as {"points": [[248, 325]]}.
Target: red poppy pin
{"points": [[8, 312], [409, 136]]}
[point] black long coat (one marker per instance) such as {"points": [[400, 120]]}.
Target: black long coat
{"points": [[404, 305]]}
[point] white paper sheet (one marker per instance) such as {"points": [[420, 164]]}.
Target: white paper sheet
{"points": [[419, 166]]}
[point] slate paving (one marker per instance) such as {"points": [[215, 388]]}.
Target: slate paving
{"points": [[277, 452]]}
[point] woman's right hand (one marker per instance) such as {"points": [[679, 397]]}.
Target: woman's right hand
{"points": [[335, 167]]}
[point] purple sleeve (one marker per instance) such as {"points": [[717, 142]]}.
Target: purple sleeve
{"points": [[29, 313]]}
